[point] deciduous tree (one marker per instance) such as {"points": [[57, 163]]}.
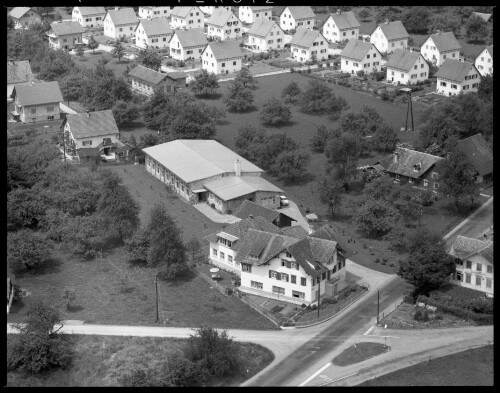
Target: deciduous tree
{"points": [[26, 249], [92, 44], [291, 93], [475, 28], [376, 217], [149, 58], [342, 155], [239, 97], [205, 83], [290, 165], [318, 98], [124, 112], [329, 191], [275, 112], [118, 50], [319, 139]]}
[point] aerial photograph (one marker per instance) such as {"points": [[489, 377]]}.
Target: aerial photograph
{"points": [[230, 194]]}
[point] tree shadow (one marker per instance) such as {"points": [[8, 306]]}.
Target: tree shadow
{"points": [[132, 125], [209, 97], [288, 123], [52, 265], [476, 42], [123, 61], [73, 308], [305, 179], [187, 276], [223, 123], [250, 109]]}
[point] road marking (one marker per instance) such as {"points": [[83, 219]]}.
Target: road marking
{"points": [[316, 373], [338, 379], [368, 331]]}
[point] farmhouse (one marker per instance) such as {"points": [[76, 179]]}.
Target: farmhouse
{"points": [[252, 209], [36, 102], [439, 47], [406, 68], [223, 25], [479, 153], [211, 9], [389, 36], [264, 35], [341, 26], [24, 17], [360, 56], [474, 267], [155, 12], [484, 61], [145, 80], [222, 57], [307, 45], [455, 76], [249, 14], [18, 73], [88, 16], [186, 44], [65, 35], [153, 33], [203, 171], [186, 18], [299, 16], [120, 22]]}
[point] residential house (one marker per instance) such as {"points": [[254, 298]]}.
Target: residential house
{"points": [[145, 80], [18, 73], [202, 171], [308, 44], [35, 102], [120, 22], [89, 16], [294, 17], [65, 35], [153, 33], [265, 35], [456, 76], [276, 217], [186, 18], [249, 14], [186, 44], [484, 61], [389, 36], [341, 26], [480, 155], [222, 57], [224, 25], [24, 17], [406, 68], [155, 12], [209, 10], [474, 267], [440, 46], [360, 56]]}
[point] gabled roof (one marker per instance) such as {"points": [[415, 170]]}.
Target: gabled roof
{"points": [[489, 49], [478, 152], [311, 253], [123, 16], [177, 75], [231, 187], [182, 12], [91, 10], [393, 30], [482, 15], [65, 28], [220, 17], [38, 93], [296, 231], [248, 208], [304, 37], [18, 12], [328, 232], [454, 70], [260, 8], [406, 161], [155, 26], [191, 37], [464, 247], [356, 49], [345, 20], [227, 49], [19, 71], [445, 41], [403, 59], [147, 74], [92, 124], [301, 12], [261, 27]]}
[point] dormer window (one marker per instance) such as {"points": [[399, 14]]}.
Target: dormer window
{"points": [[287, 254], [417, 167]]}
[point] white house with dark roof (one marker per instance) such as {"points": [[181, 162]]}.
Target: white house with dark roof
{"points": [[480, 155], [222, 57], [209, 10], [224, 25], [264, 35], [145, 80], [34, 102], [307, 44], [18, 73], [474, 268], [406, 68], [186, 18], [248, 14], [440, 46], [65, 35], [360, 56], [120, 22], [484, 61], [155, 12], [456, 76], [24, 17], [186, 44], [341, 26], [88, 16], [153, 33], [389, 36], [297, 16]]}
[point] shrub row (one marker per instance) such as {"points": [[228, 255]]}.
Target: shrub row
{"points": [[481, 319]]}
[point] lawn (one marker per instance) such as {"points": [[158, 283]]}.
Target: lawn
{"points": [[358, 353], [90, 60], [473, 367], [92, 353]]}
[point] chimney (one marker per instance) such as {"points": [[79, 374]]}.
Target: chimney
{"points": [[237, 167], [88, 113], [339, 11], [310, 230], [396, 156]]}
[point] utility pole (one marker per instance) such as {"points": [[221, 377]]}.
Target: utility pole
{"points": [[319, 296], [409, 109], [378, 304], [156, 286]]}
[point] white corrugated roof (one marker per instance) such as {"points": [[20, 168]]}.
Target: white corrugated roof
{"points": [[232, 187]]}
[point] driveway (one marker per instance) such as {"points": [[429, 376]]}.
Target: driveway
{"points": [[214, 215]]}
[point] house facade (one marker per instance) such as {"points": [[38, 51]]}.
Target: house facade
{"points": [[35, 102], [65, 35], [341, 26], [145, 80], [186, 44], [297, 16], [454, 77], [18, 73], [406, 68], [24, 17], [186, 18], [439, 47], [224, 25], [307, 44], [120, 22], [484, 61], [209, 10], [222, 57], [88, 16], [389, 36], [248, 14], [153, 33], [480, 155], [154, 12], [360, 56], [265, 35]]}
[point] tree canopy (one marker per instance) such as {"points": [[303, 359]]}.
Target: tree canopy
{"points": [[329, 191], [205, 83], [149, 58], [318, 98], [290, 165], [275, 112], [475, 28]]}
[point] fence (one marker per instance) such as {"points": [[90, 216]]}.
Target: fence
{"points": [[389, 309], [220, 288], [259, 309]]}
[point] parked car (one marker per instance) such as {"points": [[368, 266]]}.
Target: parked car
{"points": [[284, 200]]}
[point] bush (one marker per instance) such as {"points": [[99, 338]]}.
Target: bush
{"points": [[421, 315], [329, 300]]}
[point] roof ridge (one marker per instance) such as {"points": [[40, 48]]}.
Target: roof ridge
{"points": [[417, 151]]}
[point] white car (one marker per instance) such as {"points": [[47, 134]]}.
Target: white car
{"points": [[284, 200]]}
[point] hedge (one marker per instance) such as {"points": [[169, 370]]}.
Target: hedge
{"points": [[481, 319]]}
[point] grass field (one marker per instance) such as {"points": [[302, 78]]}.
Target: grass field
{"points": [[358, 353], [473, 367]]}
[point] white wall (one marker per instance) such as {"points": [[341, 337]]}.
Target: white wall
{"points": [[223, 260], [88, 20], [96, 140], [288, 22], [302, 55], [274, 40], [155, 12], [431, 53], [225, 66], [179, 53], [333, 34], [231, 30], [484, 63], [418, 74], [246, 15], [193, 20], [143, 41], [367, 64], [451, 88], [483, 275], [383, 45]]}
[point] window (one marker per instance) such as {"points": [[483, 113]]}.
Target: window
{"points": [[284, 277], [374, 55], [279, 290], [443, 84], [421, 66], [367, 56], [468, 278], [298, 294], [444, 57], [121, 29], [245, 267], [50, 117], [478, 281], [294, 265], [468, 265], [436, 186], [87, 143], [489, 269], [223, 64], [397, 177], [434, 175], [293, 279], [303, 281], [459, 276], [423, 74], [323, 276], [479, 267], [222, 256], [234, 63], [33, 110], [230, 258], [426, 183], [415, 66], [214, 252], [454, 86], [257, 285], [287, 254], [488, 282]]}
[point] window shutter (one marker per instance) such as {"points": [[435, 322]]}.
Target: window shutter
{"points": [[297, 265], [287, 278], [278, 276], [270, 273], [288, 264]]}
